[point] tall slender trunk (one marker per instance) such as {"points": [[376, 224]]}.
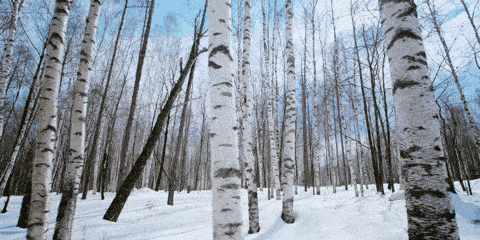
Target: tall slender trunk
{"points": [[25, 207], [226, 174], [66, 209], [387, 137], [288, 168], [365, 105], [429, 209], [246, 144], [109, 148], [274, 158], [47, 124], [25, 123], [6, 60], [336, 77], [162, 158], [136, 87], [316, 107], [92, 156], [115, 208], [172, 180], [303, 84]]}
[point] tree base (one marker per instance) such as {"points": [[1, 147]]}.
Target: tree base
{"points": [[252, 231], [288, 219]]}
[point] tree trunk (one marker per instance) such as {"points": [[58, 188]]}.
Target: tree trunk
{"points": [[136, 87], [226, 178], [162, 158], [303, 83], [66, 209], [246, 144], [92, 156], [365, 107], [25, 123], [288, 215], [172, 180], [274, 158], [6, 61], [47, 125], [429, 211], [115, 208]]}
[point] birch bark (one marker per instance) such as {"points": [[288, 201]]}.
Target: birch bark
{"points": [[66, 209], [288, 155], [47, 124], [226, 174], [246, 144], [429, 211], [274, 158]]}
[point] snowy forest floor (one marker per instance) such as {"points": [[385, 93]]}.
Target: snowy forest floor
{"points": [[328, 216]]}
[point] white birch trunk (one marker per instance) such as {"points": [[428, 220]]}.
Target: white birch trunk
{"points": [[352, 167], [47, 124], [246, 121], [429, 211], [288, 155], [74, 168], [6, 65], [226, 174], [273, 145]]}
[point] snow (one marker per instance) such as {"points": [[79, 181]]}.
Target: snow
{"points": [[328, 216]]}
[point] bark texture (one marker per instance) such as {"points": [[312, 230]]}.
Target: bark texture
{"points": [[246, 121], [226, 174], [288, 161], [429, 210], [66, 209], [47, 122]]}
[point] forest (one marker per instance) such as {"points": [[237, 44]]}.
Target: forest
{"points": [[244, 119]]}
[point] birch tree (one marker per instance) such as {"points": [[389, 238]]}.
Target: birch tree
{"points": [[429, 211], [274, 158], [47, 123], [6, 61], [246, 144], [288, 155], [226, 174], [66, 209]]}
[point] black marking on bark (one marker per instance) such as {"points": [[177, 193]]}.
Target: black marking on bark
{"points": [[227, 172], [214, 65], [412, 10], [418, 192], [221, 49], [403, 33], [230, 186], [228, 84], [401, 84], [406, 153], [411, 68]]}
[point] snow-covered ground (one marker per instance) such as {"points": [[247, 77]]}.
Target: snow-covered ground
{"points": [[328, 216]]}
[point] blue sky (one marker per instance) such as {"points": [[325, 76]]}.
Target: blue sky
{"points": [[184, 12]]}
